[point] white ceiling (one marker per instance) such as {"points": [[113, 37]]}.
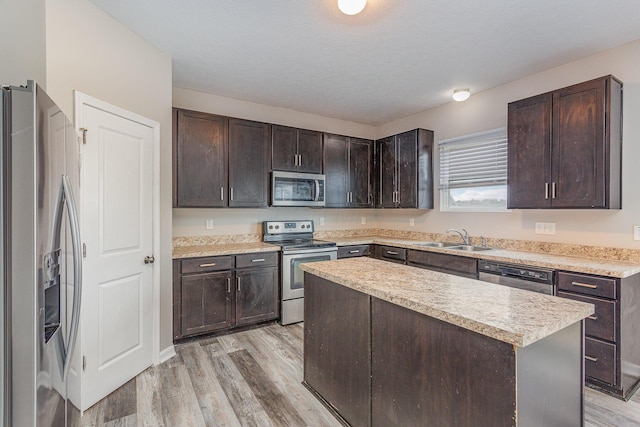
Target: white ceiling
{"points": [[396, 58]]}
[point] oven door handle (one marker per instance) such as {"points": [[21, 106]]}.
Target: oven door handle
{"points": [[310, 251]]}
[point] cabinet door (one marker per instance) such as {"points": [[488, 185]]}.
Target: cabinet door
{"points": [[309, 151], [579, 146], [360, 158], [200, 160], [407, 169], [205, 303], [529, 153], [284, 148], [386, 150], [336, 169], [256, 295], [249, 153]]}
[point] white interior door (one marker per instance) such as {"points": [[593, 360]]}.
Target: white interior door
{"points": [[118, 228]]}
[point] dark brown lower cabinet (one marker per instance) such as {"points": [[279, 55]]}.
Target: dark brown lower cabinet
{"points": [[210, 295], [374, 363]]}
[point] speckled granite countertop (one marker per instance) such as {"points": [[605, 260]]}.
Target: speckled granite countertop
{"points": [[575, 264], [510, 315], [222, 249]]}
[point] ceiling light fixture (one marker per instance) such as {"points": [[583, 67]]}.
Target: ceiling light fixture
{"points": [[351, 7], [461, 95]]}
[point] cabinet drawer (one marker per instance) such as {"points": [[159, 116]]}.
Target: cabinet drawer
{"points": [[463, 266], [353, 251], [393, 253], [201, 265], [600, 360], [261, 259], [602, 323], [590, 285]]}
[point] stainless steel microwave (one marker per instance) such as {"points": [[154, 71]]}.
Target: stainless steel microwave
{"points": [[297, 189]]}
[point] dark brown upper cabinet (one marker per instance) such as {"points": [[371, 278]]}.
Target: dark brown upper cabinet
{"points": [[348, 170], [565, 148], [404, 165], [296, 150], [220, 161]]}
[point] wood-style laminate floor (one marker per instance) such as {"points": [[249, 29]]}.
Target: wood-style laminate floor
{"points": [[253, 378]]}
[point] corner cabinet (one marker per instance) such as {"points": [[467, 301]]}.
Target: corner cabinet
{"points": [[348, 168], [565, 148], [220, 161], [212, 294], [296, 150], [404, 169]]}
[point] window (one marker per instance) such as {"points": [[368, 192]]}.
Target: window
{"points": [[473, 172]]}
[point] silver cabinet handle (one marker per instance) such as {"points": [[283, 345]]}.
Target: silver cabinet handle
{"points": [[238, 284], [392, 253], [299, 159], [258, 260], [397, 197], [584, 285], [228, 285], [221, 193], [592, 359], [210, 264], [65, 198], [231, 194], [546, 190], [592, 317], [347, 197], [355, 252], [553, 190]]}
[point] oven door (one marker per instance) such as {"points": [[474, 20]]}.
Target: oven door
{"points": [[292, 274]]}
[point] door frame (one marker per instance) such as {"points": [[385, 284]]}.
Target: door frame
{"points": [[81, 101]]}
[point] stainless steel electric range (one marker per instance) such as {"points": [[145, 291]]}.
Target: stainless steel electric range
{"points": [[295, 238]]}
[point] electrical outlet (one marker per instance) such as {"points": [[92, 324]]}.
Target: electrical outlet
{"points": [[412, 222], [208, 224], [363, 220], [545, 228], [321, 220], [636, 232]]}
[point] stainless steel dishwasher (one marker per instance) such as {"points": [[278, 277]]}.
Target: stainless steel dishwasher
{"points": [[517, 276]]}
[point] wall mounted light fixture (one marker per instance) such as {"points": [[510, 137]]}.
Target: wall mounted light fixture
{"points": [[461, 94], [351, 7]]}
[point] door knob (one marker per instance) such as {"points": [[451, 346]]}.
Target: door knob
{"points": [[149, 260]]}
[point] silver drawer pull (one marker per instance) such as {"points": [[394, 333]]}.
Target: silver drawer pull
{"points": [[592, 317], [211, 264], [591, 359], [258, 260], [392, 253], [584, 285], [354, 252]]}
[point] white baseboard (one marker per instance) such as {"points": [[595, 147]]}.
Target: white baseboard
{"points": [[166, 354]]}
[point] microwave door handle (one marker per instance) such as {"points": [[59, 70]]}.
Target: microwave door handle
{"points": [[317, 185]]}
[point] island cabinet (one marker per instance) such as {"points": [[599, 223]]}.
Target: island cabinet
{"points": [[404, 170], [348, 166], [220, 161], [296, 150], [564, 147], [375, 363], [445, 263], [222, 292], [612, 335]]}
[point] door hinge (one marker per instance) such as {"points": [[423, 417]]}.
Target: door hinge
{"points": [[84, 363], [84, 250], [84, 135]]}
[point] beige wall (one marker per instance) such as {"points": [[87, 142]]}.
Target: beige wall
{"points": [[89, 51], [22, 42], [483, 111], [191, 222], [488, 110]]}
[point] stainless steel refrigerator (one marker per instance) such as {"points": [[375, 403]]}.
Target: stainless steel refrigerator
{"points": [[40, 258]]}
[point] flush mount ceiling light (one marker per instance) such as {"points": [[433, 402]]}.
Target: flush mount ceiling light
{"points": [[351, 7], [461, 95]]}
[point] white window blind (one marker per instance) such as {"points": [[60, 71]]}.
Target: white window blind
{"points": [[478, 160]]}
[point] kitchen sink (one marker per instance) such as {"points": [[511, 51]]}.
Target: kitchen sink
{"points": [[447, 245], [470, 248]]}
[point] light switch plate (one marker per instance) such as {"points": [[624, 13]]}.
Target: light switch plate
{"points": [[636, 232], [363, 220], [209, 224], [545, 228], [412, 222], [321, 220]]}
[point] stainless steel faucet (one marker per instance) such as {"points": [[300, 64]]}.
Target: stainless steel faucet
{"points": [[464, 236]]}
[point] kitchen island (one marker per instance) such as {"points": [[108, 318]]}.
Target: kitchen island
{"points": [[387, 344]]}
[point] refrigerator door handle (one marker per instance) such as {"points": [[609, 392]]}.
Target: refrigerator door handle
{"points": [[65, 198]]}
